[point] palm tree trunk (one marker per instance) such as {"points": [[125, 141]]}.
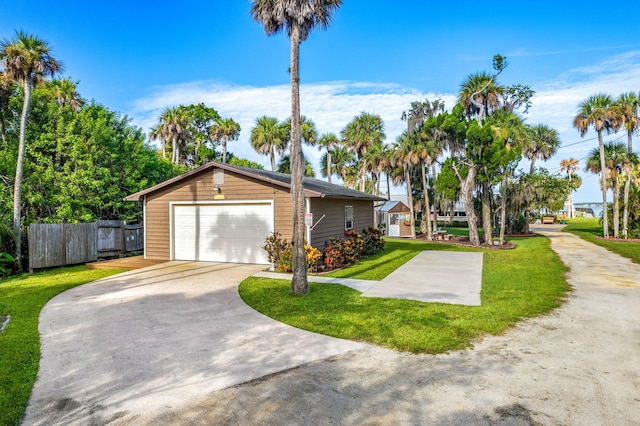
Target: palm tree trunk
{"points": [[486, 212], [363, 179], [224, 149], [625, 213], [299, 283], [436, 198], [616, 207], [328, 165], [427, 208], [388, 185], [603, 186], [174, 150], [407, 180], [17, 188], [272, 154], [503, 206]]}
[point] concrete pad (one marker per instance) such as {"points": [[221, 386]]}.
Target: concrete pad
{"points": [[435, 276], [147, 340]]}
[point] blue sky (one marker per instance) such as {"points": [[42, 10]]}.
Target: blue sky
{"points": [[377, 56]]}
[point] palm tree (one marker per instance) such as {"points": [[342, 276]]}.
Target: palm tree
{"points": [[328, 141], [223, 131], [376, 160], [66, 93], [596, 111], [298, 18], [26, 60], [173, 127], [616, 160], [268, 138], [479, 95], [343, 159], [543, 142], [569, 167], [360, 134], [405, 156], [625, 112]]}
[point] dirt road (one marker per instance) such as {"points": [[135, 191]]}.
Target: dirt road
{"points": [[578, 365]]}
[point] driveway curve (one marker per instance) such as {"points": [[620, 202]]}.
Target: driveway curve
{"points": [[576, 366], [121, 349]]}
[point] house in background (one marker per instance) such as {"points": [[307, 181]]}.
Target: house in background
{"points": [[224, 213], [396, 218]]}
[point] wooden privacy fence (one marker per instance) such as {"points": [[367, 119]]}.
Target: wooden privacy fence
{"points": [[70, 244]]}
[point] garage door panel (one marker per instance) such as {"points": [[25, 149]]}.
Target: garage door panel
{"points": [[222, 232]]}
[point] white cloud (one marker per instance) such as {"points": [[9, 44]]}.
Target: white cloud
{"points": [[331, 105]]}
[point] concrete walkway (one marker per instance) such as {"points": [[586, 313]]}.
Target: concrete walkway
{"points": [[126, 347], [431, 276]]}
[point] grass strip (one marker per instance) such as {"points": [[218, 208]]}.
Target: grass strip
{"points": [[589, 229], [23, 297], [521, 283]]}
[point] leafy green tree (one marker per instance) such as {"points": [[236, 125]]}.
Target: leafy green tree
{"points": [[26, 60], [66, 93], [199, 121], [223, 131], [7, 87], [570, 166], [298, 18], [243, 162], [596, 111]]}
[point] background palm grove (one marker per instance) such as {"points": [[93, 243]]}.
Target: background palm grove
{"points": [[68, 159]]}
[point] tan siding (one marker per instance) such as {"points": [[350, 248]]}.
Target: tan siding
{"points": [[199, 188], [333, 223]]}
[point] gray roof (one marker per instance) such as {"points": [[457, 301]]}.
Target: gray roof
{"points": [[314, 188]]}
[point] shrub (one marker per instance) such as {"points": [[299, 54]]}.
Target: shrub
{"points": [[333, 255], [285, 259], [373, 241], [275, 246]]}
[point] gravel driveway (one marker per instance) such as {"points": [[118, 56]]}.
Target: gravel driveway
{"points": [[578, 365]]}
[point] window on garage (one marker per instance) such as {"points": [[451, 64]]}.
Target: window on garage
{"points": [[348, 218]]}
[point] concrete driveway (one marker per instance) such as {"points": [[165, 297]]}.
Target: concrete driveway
{"points": [[120, 349]]}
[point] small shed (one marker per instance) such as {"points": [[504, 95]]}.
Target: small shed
{"points": [[224, 213], [396, 216]]}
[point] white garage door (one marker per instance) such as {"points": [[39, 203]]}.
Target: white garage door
{"points": [[222, 232]]}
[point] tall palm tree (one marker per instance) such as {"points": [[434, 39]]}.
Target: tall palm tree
{"points": [[223, 131], [360, 134], [173, 127], [268, 137], [616, 160], [626, 113], [479, 95], [596, 111], [569, 166], [543, 143], [298, 18], [376, 161], [405, 156], [343, 159], [328, 141], [26, 60], [66, 93]]}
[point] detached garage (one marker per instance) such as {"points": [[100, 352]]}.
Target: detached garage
{"points": [[223, 213]]}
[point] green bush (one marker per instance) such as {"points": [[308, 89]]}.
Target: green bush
{"points": [[285, 259], [373, 241]]}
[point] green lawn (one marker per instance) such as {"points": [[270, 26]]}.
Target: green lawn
{"points": [[23, 298], [589, 229], [516, 284]]}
